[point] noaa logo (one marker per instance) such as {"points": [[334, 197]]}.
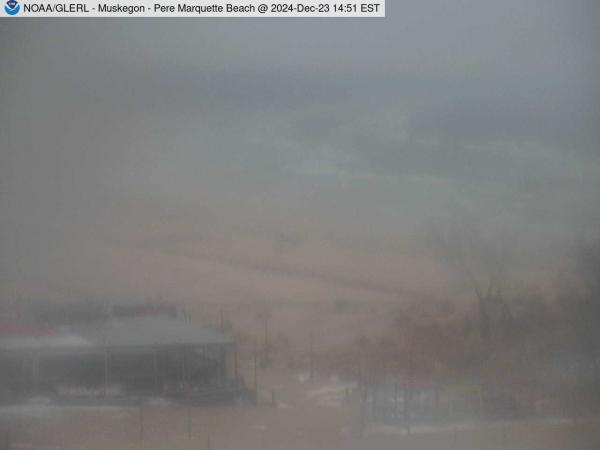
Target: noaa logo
{"points": [[12, 7]]}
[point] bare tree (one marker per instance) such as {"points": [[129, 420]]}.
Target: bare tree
{"points": [[481, 263], [584, 306]]}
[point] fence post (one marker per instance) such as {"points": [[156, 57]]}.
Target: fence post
{"points": [[395, 400], [267, 355], [7, 439], [141, 422], [264, 439], [255, 373], [363, 409], [189, 421], [106, 373], [311, 356], [454, 438], [408, 392], [155, 370], [235, 361]]}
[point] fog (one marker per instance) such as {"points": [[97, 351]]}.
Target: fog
{"points": [[448, 149], [185, 160]]}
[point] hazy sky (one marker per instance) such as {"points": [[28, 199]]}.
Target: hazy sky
{"points": [[292, 159]]}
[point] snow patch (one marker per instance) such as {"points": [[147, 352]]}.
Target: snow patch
{"points": [[333, 394]]}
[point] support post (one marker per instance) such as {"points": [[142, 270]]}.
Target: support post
{"points": [[235, 361], [7, 439], [155, 369], [263, 435], [408, 393], [255, 373], [363, 410], [141, 422], [222, 366], [395, 400], [311, 356], [35, 372], [183, 358], [267, 343], [106, 372], [189, 421], [454, 438]]}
